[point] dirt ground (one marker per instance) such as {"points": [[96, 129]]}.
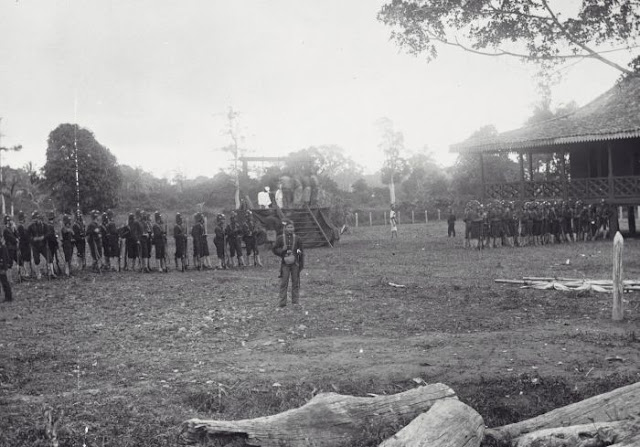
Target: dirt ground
{"points": [[129, 356]]}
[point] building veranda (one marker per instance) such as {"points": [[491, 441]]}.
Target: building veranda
{"points": [[595, 152]]}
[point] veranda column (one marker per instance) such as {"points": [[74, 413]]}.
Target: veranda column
{"points": [[610, 172], [565, 193], [521, 161], [482, 175]]}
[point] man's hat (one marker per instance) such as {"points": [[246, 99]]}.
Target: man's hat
{"points": [[95, 213], [35, 215], [220, 217], [7, 219], [157, 216]]}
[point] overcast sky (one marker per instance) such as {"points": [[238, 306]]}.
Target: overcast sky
{"points": [[153, 80]]}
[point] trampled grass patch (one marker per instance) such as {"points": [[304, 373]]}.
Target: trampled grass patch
{"points": [[128, 356]]}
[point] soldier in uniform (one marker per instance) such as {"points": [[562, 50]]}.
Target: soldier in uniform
{"points": [[10, 235], [145, 242], [219, 241], [180, 237], [288, 248], [67, 236], [197, 232], [234, 240], [94, 238], [111, 240], [52, 245], [250, 236], [79, 239], [133, 240], [160, 241], [4, 266], [24, 247], [36, 232]]}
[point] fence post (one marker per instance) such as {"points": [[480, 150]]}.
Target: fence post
{"points": [[384, 213], [370, 220], [356, 220], [413, 217], [617, 313], [438, 213], [426, 217]]}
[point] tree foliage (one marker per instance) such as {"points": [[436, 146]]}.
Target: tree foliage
{"points": [[395, 167], [99, 175], [534, 30]]}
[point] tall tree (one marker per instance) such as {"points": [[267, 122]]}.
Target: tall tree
{"points": [[2, 183], [499, 28], [394, 168], [234, 132], [98, 174]]}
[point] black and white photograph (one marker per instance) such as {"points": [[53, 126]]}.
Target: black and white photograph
{"points": [[320, 223]]}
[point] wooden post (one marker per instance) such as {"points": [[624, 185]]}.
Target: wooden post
{"points": [[384, 213], [482, 176], [370, 219], [521, 161], [356, 220], [413, 217], [617, 313], [438, 213], [426, 216]]}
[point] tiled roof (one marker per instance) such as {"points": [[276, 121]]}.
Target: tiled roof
{"points": [[611, 116]]}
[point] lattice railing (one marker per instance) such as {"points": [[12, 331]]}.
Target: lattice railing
{"points": [[581, 188]]}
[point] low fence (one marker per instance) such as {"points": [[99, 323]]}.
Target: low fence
{"points": [[364, 218]]}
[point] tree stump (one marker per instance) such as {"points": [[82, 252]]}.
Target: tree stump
{"points": [[449, 423], [619, 404], [329, 419]]}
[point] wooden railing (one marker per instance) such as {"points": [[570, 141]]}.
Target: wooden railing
{"points": [[617, 188]]}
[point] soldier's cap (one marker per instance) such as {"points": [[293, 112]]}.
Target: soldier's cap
{"points": [[157, 216], [220, 216], [7, 219]]}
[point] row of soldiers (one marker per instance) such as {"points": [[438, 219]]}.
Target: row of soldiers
{"points": [[497, 223], [134, 244]]}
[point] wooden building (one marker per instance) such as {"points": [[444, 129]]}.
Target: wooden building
{"points": [[596, 151]]}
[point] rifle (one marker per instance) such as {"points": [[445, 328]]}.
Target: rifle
{"points": [[19, 260], [119, 252], [55, 255], [186, 246]]}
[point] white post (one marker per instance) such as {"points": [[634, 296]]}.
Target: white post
{"points": [[370, 220], [438, 213], [356, 220], [384, 213], [413, 217], [617, 314], [426, 216]]}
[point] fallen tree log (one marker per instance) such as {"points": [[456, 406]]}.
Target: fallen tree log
{"points": [[597, 434], [448, 423], [619, 404], [632, 441], [329, 419]]}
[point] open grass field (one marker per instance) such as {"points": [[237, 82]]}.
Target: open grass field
{"points": [[128, 356]]}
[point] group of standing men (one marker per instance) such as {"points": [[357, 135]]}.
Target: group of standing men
{"points": [[498, 223], [32, 245]]}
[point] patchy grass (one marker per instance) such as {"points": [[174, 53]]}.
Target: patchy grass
{"points": [[128, 357]]}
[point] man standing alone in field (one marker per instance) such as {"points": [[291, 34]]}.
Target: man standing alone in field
{"points": [[393, 220], [288, 247]]}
